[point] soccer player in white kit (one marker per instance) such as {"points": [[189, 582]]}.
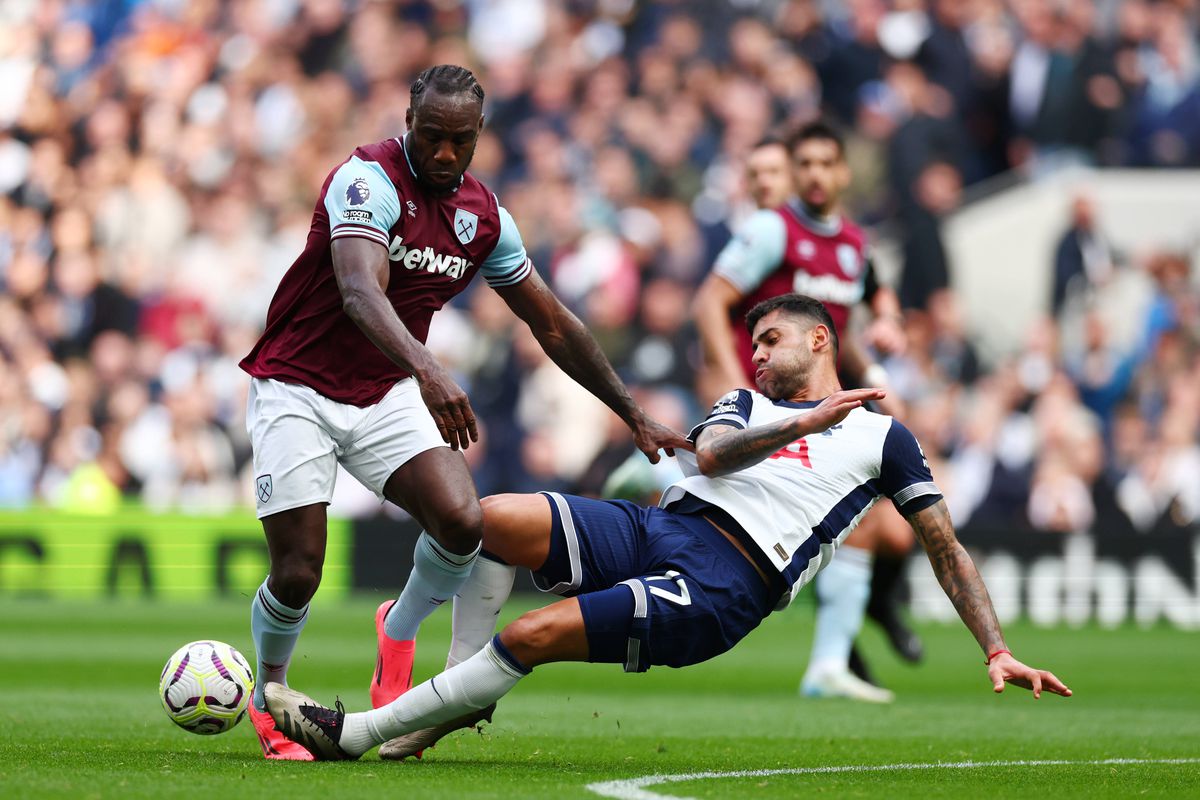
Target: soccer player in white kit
{"points": [[779, 479]]}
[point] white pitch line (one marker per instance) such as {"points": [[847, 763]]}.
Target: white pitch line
{"points": [[634, 788]]}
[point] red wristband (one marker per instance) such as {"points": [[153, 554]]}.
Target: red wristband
{"points": [[993, 655]]}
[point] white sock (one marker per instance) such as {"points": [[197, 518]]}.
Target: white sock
{"points": [[474, 684], [275, 629], [436, 576], [843, 587], [476, 607]]}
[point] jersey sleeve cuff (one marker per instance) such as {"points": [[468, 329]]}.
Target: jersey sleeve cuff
{"points": [[725, 419], [732, 278], [916, 497], [512, 278], [358, 232]]}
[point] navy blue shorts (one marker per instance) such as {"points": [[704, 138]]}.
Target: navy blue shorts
{"points": [[655, 586]]}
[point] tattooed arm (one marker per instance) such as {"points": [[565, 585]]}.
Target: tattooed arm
{"points": [[722, 449], [963, 585], [569, 344], [957, 574]]}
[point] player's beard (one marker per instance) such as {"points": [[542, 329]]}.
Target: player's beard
{"points": [[824, 209], [785, 379]]}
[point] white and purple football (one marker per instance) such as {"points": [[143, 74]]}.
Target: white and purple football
{"points": [[206, 687]]}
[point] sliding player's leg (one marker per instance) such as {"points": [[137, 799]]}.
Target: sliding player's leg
{"points": [[554, 633], [541, 533], [396, 451], [695, 597], [435, 487], [523, 530], [516, 533]]}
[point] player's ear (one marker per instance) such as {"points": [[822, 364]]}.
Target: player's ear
{"points": [[820, 337], [408, 118]]}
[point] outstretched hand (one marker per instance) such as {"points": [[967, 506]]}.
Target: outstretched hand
{"points": [[1006, 669], [837, 407], [650, 437]]}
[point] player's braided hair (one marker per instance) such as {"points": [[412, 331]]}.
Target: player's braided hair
{"points": [[447, 79], [798, 305]]}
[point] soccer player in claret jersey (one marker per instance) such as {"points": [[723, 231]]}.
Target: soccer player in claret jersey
{"points": [[779, 479], [341, 375], [806, 245]]}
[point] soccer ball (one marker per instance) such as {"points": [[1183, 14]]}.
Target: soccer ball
{"points": [[205, 687]]}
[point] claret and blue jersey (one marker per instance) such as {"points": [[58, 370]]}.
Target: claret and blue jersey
{"points": [[800, 503], [786, 249], [363, 200], [435, 243]]}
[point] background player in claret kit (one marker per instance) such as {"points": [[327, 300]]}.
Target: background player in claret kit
{"points": [[778, 480], [769, 173], [769, 182], [341, 374], [805, 245]]}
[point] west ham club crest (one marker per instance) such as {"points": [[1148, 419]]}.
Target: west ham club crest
{"points": [[263, 487], [465, 225]]}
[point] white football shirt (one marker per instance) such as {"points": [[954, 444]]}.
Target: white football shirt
{"points": [[800, 503]]}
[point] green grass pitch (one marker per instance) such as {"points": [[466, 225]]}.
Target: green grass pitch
{"points": [[81, 717]]}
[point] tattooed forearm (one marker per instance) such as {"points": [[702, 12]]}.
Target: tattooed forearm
{"points": [[957, 574], [723, 449], [580, 356], [565, 339]]}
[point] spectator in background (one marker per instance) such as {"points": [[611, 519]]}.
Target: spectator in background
{"points": [[945, 55], [854, 58], [1166, 111], [1063, 91], [1083, 259], [937, 192], [951, 348], [150, 152]]}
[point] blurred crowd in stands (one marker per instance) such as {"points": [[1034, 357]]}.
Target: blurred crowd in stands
{"points": [[160, 159]]}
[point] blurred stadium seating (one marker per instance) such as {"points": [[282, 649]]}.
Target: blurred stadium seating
{"points": [[159, 160]]}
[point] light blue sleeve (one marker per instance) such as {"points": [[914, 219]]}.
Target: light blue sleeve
{"points": [[362, 201], [508, 264], [754, 252]]}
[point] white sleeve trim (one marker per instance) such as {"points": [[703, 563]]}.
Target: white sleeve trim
{"points": [[358, 232], [378, 210], [513, 278], [914, 491], [732, 419]]}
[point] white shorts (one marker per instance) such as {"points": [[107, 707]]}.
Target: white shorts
{"points": [[299, 436]]}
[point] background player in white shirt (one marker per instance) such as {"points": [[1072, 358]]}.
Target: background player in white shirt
{"points": [[778, 480]]}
